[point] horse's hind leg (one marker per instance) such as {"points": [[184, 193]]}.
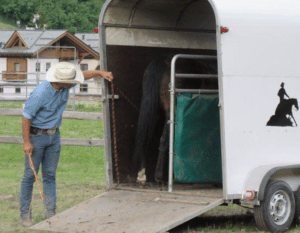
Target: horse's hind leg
{"points": [[163, 151], [294, 119]]}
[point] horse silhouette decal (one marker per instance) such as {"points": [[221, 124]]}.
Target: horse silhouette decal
{"points": [[283, 113]]}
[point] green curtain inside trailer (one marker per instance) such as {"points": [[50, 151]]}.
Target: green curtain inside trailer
{"points": [[197, 147]]}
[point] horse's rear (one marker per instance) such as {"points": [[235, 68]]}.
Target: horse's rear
{"points": [[155, 109]]}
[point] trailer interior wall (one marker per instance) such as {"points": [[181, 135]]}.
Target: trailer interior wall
{"points": [[128, 64], [133, 34]]}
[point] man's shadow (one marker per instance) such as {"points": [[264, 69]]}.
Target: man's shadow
{"points": [[283, 112]]}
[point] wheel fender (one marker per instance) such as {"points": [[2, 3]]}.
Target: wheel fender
{"points": [[259, 177]]}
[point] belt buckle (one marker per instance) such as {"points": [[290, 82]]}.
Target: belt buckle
{"points": [[51, 131]]}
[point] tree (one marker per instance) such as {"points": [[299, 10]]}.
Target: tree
{"points": [[74, 15]]}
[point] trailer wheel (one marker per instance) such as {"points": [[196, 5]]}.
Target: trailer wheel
{"points": [[276, 211], [297, 204]]}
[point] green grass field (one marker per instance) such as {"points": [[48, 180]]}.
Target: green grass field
{"points": [[6, 23], [80, 176], [80, 106], [71, 128]]}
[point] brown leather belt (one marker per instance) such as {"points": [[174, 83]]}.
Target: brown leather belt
{"points": [[35, 130]]}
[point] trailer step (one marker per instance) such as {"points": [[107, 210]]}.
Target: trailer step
{"points": [[130, 211]]}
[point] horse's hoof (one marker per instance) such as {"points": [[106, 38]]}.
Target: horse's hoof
{"points": [[141, 184], [161, 185], [141, 179]]}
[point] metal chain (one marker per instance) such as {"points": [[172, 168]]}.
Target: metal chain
{"points": [[113, 87], [114, 133], [127, 98]]}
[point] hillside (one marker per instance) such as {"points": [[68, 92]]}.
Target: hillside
{"points": [[73, 15], [6, 23]]}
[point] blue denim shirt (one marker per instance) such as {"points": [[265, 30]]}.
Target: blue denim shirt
{"points": [[45, 106]]}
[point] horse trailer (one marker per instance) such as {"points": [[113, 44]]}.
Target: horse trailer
{"points": [[253, 158]]}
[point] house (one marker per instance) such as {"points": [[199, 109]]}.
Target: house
{"points": [[92, 40], [26, 55]]}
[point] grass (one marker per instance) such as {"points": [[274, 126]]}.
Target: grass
{"points": [[6, 23], [86, 107], [224, 219], [80, 176], [79, 106], [71, 128]]}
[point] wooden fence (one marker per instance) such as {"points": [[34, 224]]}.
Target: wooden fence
{"points": [[64, 141]]}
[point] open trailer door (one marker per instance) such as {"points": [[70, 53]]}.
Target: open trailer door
{"points": [[132, 211]]}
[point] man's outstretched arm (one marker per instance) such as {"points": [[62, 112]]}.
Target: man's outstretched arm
{"points": [[88, 74]]}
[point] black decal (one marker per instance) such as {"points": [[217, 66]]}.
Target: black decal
{"points": [[283, 113]]}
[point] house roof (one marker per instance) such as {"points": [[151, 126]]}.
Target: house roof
{"points": [[91, 39], [36, 40]]}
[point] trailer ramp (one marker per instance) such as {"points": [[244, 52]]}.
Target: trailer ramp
{"points": [[131, 212]]}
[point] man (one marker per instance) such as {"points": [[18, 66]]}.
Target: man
{"points": [[282, 93], [42, 117]]}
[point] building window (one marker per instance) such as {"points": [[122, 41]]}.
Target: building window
{"points": [[48, 65], [1, 89], [84, 67], [83, 87], [18, 90], [17, 67], [37, 67]]}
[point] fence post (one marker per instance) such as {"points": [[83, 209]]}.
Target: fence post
{"points": [[73, 107]]}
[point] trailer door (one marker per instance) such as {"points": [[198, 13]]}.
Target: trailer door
{"points": [[132, 211]]}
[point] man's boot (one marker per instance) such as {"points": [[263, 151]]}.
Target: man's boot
{"points": [[49, 213], [26, 220]]}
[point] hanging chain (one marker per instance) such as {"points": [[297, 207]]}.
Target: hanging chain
{"points": [[114, 133], [127, 98], [116, 160]]}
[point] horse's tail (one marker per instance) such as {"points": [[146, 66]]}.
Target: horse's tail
{"points": [[150, 108]]}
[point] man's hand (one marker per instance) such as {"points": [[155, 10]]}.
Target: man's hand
{"points": [[107, 75], [28, 148], [88, 74]]}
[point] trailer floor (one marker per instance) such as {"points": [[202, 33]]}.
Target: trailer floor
{"points": [[130, 209]]}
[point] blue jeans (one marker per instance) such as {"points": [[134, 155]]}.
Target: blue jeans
{"points": [[46, 151]]}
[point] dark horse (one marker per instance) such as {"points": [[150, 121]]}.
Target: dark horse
{"points": [[155, 107], [283, 109]]}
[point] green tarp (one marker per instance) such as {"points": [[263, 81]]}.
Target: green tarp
{"points": [[197, 147]]}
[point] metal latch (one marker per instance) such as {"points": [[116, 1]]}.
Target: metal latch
{"points": [[109, 97]]}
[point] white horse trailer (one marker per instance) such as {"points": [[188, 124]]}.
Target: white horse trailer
{"points": [[256, 47]]}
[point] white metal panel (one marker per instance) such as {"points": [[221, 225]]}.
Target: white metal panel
{"points": [[170, 39], [257, 175], [259, 52], [179, 15], [249, 102], [186, 14], [262, 40], [198, 15]]}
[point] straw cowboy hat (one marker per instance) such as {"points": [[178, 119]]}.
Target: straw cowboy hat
{"points": [[64, 72]]}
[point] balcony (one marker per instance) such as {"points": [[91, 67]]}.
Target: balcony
{"points": [[68, 54], [13, 75]]}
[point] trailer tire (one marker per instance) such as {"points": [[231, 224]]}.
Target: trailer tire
{"points": [[297, 209], [276, 211]]}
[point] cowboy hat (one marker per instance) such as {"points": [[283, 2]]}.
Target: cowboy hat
{"points": [[64, 72]]}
